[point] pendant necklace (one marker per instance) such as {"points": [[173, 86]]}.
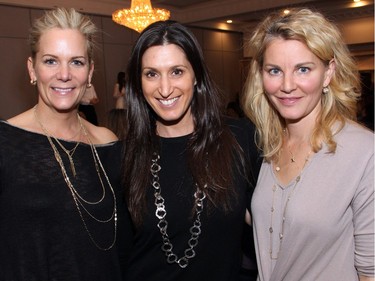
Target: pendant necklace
{"points": [[68, 152], [292, 157], [161, 213], [77, 198], [292, 160], [274, 256]]}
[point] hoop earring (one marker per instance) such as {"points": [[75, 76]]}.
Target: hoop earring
{"points": [[325, 90], [33, 82]]}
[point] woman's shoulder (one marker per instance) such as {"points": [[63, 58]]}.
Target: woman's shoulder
{"points": [[241, 123], [24, 120], [354, 132], [100, 135], [240, 127], [355, 139], [4, 127], [13, 136], [244, 132], [21, 123]]}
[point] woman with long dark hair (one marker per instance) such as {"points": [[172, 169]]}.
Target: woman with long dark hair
{"points": [[188, 172]]}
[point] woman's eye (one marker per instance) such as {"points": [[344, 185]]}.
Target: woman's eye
{"points": [[150, 74], [274, 71], [78, 63], [177, 71], [303, 69], [50, 61]]}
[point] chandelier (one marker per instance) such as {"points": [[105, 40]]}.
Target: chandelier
{"points": [[140, 15]]}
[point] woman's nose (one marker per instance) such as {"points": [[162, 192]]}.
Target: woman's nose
{"points": [[288, 84], [165, 88], [64, 73]]}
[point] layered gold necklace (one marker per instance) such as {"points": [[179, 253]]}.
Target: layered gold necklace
{"points": [[77, 198]]}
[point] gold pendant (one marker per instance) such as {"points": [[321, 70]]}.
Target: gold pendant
{"points": [[72, 166]]}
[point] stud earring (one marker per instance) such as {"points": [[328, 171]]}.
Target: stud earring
{"points": [[325, 90], [89, 85], [33, 82]]}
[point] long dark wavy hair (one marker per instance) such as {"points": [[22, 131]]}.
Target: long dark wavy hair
{"points": [[212, 150]]}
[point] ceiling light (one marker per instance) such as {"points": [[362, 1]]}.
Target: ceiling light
{"points": [[358, 3], [140, 15]]}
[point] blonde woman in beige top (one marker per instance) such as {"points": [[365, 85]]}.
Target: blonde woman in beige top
{"points": [[313, 206]]}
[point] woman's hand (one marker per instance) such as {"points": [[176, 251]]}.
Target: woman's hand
{"points": [[366, 278]]}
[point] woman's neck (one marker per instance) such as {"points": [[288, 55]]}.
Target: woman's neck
{"points": [[171, 130], [60, 125]]}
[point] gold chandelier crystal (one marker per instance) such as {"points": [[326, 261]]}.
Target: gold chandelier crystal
{"points": [[140, 15]]}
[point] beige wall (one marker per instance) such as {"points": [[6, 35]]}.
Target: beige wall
{"points": [[222, 51]]}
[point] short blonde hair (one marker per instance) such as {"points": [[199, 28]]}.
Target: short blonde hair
{"points": [[65, 19]]}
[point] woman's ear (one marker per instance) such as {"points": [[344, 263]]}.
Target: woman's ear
{"points": [[330, 71], [91, 71], [30, 67]]}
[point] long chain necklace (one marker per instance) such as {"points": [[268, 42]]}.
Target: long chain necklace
{"points": [[69, 153], [290, 195], [78, 199], [161, 213]]}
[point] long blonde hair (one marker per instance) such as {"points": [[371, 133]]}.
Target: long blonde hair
{"points": [[325, 41]]}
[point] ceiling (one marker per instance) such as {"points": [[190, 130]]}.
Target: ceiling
{"points": [[214, 13]]}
